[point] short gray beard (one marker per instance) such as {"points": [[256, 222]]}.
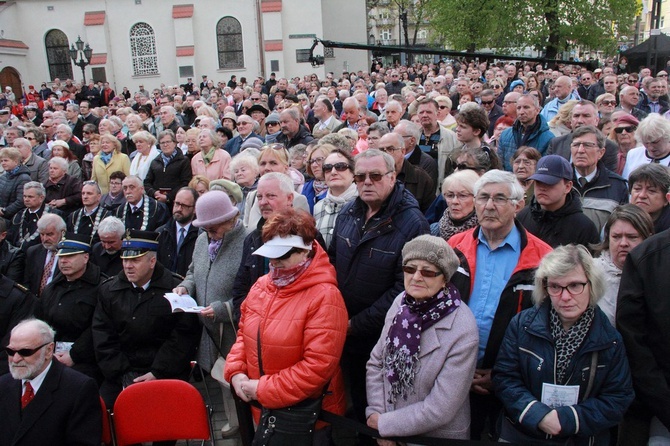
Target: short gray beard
{"points": [[30, 371]]}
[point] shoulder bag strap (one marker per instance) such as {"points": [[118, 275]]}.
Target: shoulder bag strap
{"points": [[592, 374]]}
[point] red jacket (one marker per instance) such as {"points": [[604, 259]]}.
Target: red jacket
{"points": [[303, 327]]}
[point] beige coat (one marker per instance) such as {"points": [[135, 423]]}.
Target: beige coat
{"points": [[101, 172]]}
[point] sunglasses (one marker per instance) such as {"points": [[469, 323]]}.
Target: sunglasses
{"points": [[629, 129], [340, 167], [487, 102], [288, 254], [411, 270], [608, 102], [24, 352], [374, 177], [462, 166]]}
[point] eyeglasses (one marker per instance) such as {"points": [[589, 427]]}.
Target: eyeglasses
{"points": [[661, 75], [556, 290], [498, 200], [587, 145], [496, 86], [288, 254], [255, 99], [461, 197], [389, 149], [628, 129], [374, 176], [610, 103], [462, 166], [30, 138], [166, 143], [318, 160], [340, 167], [411, 270], [487, 102], [24, 352], [271, 123], [182, 205], [115, 183]]}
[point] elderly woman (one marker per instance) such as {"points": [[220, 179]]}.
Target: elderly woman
{"points": [[315, 189], [649, 185], [145, 153], [458, 191], [654, 135], [606, 103], [627, 227], [61, 149], [211, 161], [191, 143], [109, 160], [209, 280], [524, 162], [562, 372], [444, 112], [244, 170], [63, 191], [12, 180], [168, 172], [135, 125], [428, 344], [338, 171], [503, 122], [297, 318], [623, 134]]}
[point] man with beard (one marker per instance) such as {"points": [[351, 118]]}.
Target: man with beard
{"points": [[41, 265], [177, 237], [87, 219], [107, 252], [41, 399]]}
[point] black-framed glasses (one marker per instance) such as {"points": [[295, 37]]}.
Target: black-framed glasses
{"points": [[411, 270], [340, 167], [463, 166], [317, 160], [487, 102], [574, 288], [628, 129], [375, 177], [183, 205], [24, 352]]}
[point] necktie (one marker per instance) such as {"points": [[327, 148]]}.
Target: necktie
{"points": [[27, 396], [47, 270], [582, 181], [181, 238]]}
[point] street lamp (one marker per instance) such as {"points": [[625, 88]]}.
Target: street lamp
{"points": [[81, 56]]}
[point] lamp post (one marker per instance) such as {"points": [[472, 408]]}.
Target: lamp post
{"points": [[81, 56]]}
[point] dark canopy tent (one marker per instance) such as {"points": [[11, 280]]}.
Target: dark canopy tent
{"points": [[653, 53]]}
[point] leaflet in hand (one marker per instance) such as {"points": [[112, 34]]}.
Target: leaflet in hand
{"points": [[182, 303]]}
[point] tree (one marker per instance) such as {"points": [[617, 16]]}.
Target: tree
{"points": [[553, 25]]}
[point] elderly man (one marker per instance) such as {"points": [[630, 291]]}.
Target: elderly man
{"points": [[600, 189], [64, 133], [393, 114], [562, 89], [529, 129], [352, 112], [584, 113], [498, 262], [168, 119], [140, 211], [136, 336], [555, 213], [509, 104], [177, 236], [37, 166], [107, 252], [68, 302], [23, 233], [245, 130], [41, 399], [292, 132], [74, 120], [41, 266], [367, 240], [436, 141], [415, 180], [327, 122], [629, 97], [411, 133], [86, 220], [652, 102]]}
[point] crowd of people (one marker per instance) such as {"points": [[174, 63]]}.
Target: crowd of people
{"points": [[455, 250]]}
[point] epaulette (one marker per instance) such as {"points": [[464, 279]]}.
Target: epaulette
{"points": [[21, 287]]}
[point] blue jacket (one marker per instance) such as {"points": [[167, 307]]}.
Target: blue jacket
{"points": [[512, 138], [527, 360], [368, 257], [234, 145]]}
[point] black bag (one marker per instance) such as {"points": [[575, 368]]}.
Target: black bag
{"points": [[293, 425]]}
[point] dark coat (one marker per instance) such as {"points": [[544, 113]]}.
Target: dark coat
{"points": [[158, 215], [527, 360], [302, 137], [87, 222], [177, 262], [68, 307], [418, 183], [426, 162], [368, 259], [24, 226], [12, 261], [68, 188], [561, 146], [234, 145], [36, 257], [11, 190], [110, 264], [65, 411], [174, 176], [644, 105], [16, 304], [139, 333], [561, 227], [495, 114], [77, 149]]}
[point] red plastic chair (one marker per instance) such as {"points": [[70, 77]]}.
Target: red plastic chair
{"points": [[160, 410], [106, 428]]}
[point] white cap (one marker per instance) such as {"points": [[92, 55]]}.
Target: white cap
{"points": [[278, 246]]}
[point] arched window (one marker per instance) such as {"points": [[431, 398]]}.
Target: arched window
{"points": [[229, 43], [58, 55], [143, 49]]}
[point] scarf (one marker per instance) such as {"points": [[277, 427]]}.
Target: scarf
{"points": [[282, 277], [403, 342], [106, 157], [319, 187], [207, 157], [450, 227], [567, 342], [167, 159], [213, 249], [333, 204]]}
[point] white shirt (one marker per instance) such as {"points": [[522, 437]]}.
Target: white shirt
{"points": [[637, 157], [37, 381]]}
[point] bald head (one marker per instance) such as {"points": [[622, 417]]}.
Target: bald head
{"points": [[563, 87]]}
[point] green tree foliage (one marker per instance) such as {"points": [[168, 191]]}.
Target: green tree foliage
{"points": [[551, 25]]}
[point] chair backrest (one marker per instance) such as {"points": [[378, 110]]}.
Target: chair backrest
{"points": [[160, 410], [106, 428]]}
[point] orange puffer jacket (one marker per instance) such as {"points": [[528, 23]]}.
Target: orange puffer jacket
{"points": [[303, 327]]}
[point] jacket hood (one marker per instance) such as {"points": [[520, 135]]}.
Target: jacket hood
{"points": [[573, 205]]}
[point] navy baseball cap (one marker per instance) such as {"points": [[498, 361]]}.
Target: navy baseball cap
{"points": [[551, 169]]}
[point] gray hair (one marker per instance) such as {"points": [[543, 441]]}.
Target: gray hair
{"points": [[380, 127], [373, 153], [47, 334], [285, 181], [36, 185], [337, 140], [74, 107], [169, 133], [60, 162], [653, 128], [112, 225], [65, 128], [242, 159], [411, 128], [94, 184], [48, 220], [466, 178], [561, 262], [590, 130], [292, 112], [501, 177], [144, 136]]}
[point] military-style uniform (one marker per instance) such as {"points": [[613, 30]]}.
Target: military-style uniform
{"points": [[16, 304]]}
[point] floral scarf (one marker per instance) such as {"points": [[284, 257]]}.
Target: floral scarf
{"points": [[450, 227], [403, 342], [568, 342], [282, 277]]}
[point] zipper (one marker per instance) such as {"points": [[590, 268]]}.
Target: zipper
{"points": [[539, 366]]}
